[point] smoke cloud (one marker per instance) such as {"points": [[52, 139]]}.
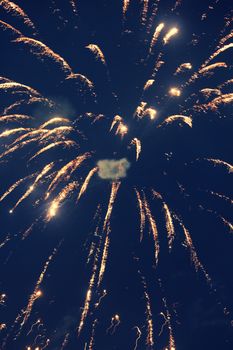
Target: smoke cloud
{"points": [[111, 169]]}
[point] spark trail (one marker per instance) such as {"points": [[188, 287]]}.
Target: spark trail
{"points": [[40, 176], [142, 213], [114, 190], [89, 292], [57, 201], [86, 182], [153, 227], [23, 317], [65, 172], [42, 51], [138, 147]]}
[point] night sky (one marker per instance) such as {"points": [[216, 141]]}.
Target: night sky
{"points": [[51, 264]]}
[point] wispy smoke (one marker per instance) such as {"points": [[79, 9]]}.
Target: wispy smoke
{"points": [[111, 169]]}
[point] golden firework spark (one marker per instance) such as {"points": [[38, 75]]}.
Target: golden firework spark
{"points": [[171, 345], [37, 293], [14, 118], [114, 190], [153, 226], [148, 84], [38, 133], [55, 120], [56, 203], [11, 132], [104, 256], [97, 52], [15, 10], [13, 86], [173, 118], [227, 223], [144, 11], [89, 292], [10, 28], [183, 67], [15, 185], [156, 34], [31, 188], [221, 100], [168, 219], [57, 132], [173, 31], [17, 147], [218, 52], [125, 6], [194, 257], [142, 213], [107, 229], [80, 77], [212, 67], [174, 91], [220, 162], [138, 146], [150, 331], [42, 51], [151, 112], [65, 144], [169, 225], [66, 171], [86, 181], [121, 129], [207, 92]]}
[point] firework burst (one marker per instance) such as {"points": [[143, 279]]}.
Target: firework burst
{"points": [[112, 119]]}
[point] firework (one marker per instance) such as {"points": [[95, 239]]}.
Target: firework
{"points": [[183, 67], [93, 125], [61, 197], [97, 52], [86, 181], [170, 34], [15, 10], [174, 92], [138, 146], [125, 6], [183, 118], [156, 34]]}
